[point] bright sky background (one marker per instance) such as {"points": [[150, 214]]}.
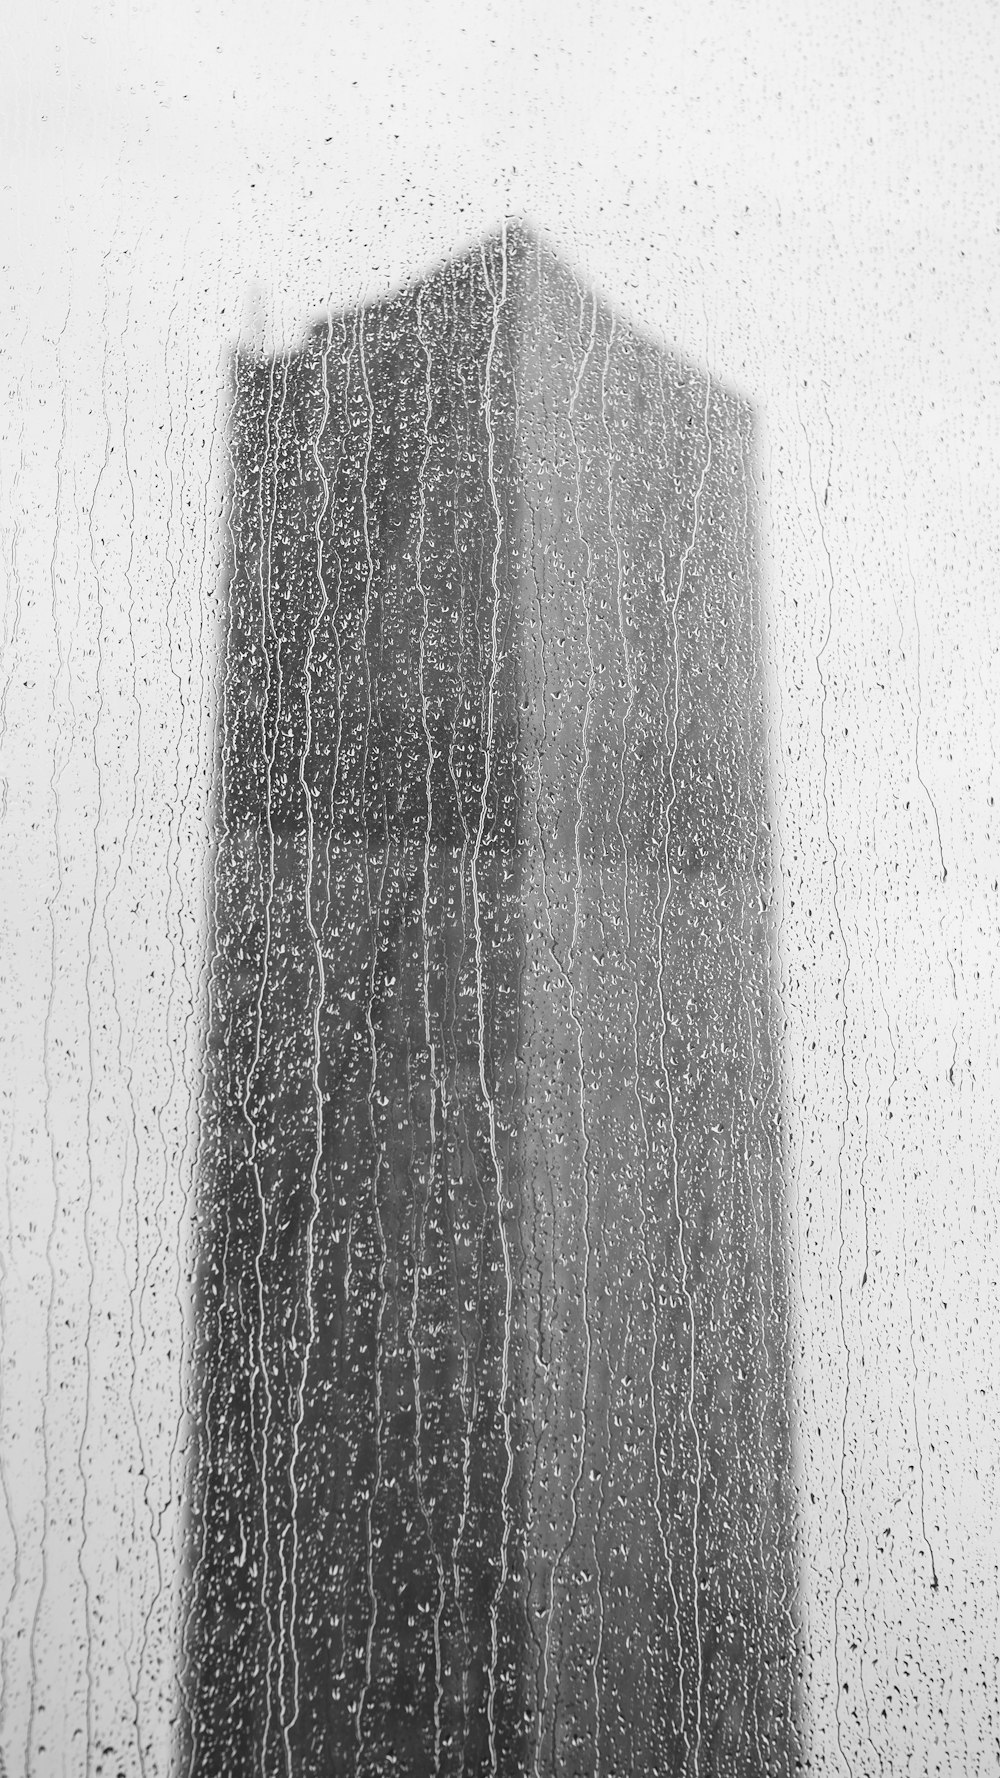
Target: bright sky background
{"points": [[803, 197]]}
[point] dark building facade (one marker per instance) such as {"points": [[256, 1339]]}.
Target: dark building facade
{"points": [[492, 1465]]}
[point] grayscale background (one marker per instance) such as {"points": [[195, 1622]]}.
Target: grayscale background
{"points": [[802, 201]]}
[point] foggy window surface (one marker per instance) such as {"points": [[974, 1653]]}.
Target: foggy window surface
{"points": [[498, 1242]]}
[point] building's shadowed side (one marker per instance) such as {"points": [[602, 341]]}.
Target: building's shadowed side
{"points": [[357, 1513], [492, 1464]]}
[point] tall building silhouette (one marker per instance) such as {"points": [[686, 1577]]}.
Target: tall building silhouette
{"points": [[492, 1462]]}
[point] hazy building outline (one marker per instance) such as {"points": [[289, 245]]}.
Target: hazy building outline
{"points": [[493, 844]]}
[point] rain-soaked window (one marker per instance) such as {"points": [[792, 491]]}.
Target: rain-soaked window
{"points": [[497, 1250]]}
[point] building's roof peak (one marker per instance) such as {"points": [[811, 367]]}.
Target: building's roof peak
{"points": [[520, 240]]}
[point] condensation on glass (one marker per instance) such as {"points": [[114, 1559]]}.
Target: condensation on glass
{"points": [[493, 1456]]}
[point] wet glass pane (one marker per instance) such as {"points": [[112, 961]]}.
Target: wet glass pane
{"points": [[498, 879]]}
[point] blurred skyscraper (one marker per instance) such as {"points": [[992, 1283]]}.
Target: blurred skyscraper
{"points": [[493, 1453]]}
